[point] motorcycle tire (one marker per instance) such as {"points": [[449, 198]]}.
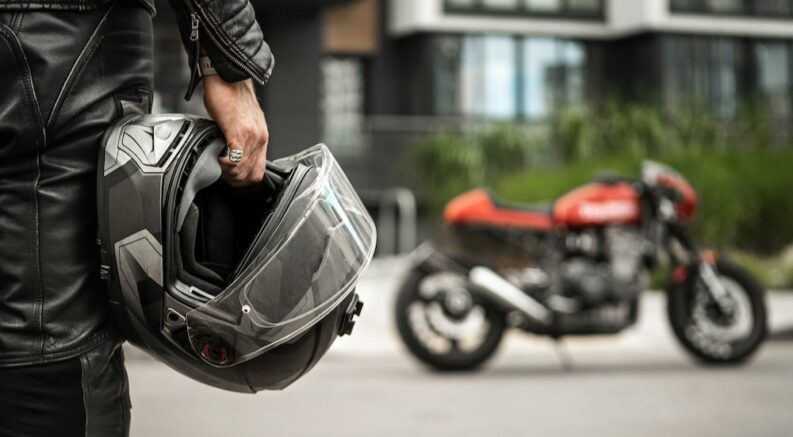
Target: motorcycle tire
{"points": [[680, 305], [456, 360]]}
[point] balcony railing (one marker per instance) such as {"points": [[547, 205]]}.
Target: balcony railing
{"points": [[559, 9], [778, 9]]}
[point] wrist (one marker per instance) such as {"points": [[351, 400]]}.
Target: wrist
{"points": [[206, 66], [217, 82]]}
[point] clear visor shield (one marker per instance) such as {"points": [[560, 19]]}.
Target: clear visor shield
{"points": [[309, 264]]}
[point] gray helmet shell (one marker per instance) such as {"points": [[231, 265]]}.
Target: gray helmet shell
{"points": [[142, 195]]}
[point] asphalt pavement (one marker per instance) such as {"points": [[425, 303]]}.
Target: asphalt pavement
{"points": [[637, 384]]}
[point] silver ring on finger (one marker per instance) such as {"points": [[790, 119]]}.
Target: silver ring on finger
{"points": [[235, 155]]}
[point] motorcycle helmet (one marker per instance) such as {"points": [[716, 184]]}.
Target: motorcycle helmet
{"points": [[244, 289]]}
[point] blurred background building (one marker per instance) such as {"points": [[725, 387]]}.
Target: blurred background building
{"points": [[530, 98], [373, 78]]}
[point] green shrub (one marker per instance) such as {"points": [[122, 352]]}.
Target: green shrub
{"points": [[644, 130], [504, 150], [443, 165], [745, 184], [633, 129], [776, 272], [447, 164]]}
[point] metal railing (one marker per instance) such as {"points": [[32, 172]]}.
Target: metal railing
{"points": [[395, 214]]}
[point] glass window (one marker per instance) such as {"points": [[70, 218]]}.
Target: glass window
{"points": [[687, 5], [775, 78], [762, 8], [507, 77], [342, 103], [538, 74], [575, 64], [725, 6], [724, 77], [544, 5], [460, 4], [773, 7], [703, 70], [488, 76], [585, 9], [446, 74], [587, 6], [500, 73], [553, 75], [508, 5], [472, 76], [680, 70]]}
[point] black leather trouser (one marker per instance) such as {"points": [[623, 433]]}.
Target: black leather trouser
{"points": [[82, 396], [64, 78]]}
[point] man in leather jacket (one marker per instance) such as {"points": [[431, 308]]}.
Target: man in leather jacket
{"points": [[68, 69]]}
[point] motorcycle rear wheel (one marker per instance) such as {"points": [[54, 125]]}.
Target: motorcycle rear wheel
{"points": [[712, 341], [409, 320]]}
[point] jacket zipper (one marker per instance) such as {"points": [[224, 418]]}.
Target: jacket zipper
{"points": [[85, 54], [222, 47], [195, 77], [196, 17]]}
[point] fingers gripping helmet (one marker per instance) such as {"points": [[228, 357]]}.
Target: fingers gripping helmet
{"points": [[242, 289]]}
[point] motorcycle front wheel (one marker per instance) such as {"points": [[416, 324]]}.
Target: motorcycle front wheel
{"points": [[443, 324], [706, 331]]}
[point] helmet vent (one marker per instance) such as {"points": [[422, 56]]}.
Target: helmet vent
{"points": [[176, 141], [192, 157]]}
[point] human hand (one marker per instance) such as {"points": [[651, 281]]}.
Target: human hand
{"points": [[236, 110]]}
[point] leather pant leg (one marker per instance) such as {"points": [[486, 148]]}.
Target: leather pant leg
{"points": [[86, 396]]}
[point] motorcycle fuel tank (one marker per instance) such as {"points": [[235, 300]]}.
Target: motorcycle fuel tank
{"points": [[599, 204]]}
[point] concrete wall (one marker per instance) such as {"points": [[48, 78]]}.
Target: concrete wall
{"points": [[291, 99]]}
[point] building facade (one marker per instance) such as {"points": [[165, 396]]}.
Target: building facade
{"points": [[523, 58], [371, 77]]}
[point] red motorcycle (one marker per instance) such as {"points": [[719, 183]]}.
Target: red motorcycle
{"points": [[576, 267]]}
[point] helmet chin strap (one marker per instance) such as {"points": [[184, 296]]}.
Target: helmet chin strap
{"points": [[206, 172]]}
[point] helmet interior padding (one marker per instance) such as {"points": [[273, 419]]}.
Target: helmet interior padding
{"points": [[218, 215]]}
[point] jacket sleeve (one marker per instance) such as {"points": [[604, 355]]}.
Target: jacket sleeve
{"points": [[229, 34]]}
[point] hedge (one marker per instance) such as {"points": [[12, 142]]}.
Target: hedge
{"points": [[742, 169]]}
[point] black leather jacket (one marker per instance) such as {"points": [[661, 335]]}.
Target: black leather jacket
{"points": [[52, 303], [227, 30]]}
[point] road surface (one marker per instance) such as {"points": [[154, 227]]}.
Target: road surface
{"points": [[637, 384]]}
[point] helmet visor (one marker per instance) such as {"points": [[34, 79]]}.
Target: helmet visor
{"points": [[300, 270]]}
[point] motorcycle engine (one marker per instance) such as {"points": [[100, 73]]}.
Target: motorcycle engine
{"points": [[604, 266]]}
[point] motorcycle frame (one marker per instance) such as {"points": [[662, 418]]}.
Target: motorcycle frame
{"points": [[659, 224]]}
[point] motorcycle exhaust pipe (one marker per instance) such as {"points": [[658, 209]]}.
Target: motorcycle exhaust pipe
{"points": [[506, 294]]}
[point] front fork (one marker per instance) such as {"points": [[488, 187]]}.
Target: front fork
{"points": [[690, 260]]}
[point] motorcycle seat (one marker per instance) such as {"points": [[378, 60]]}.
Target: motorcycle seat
{"points": [[480, 208], [537, 208]]}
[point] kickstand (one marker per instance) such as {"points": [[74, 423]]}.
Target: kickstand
{"points": [[565, 358]]}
